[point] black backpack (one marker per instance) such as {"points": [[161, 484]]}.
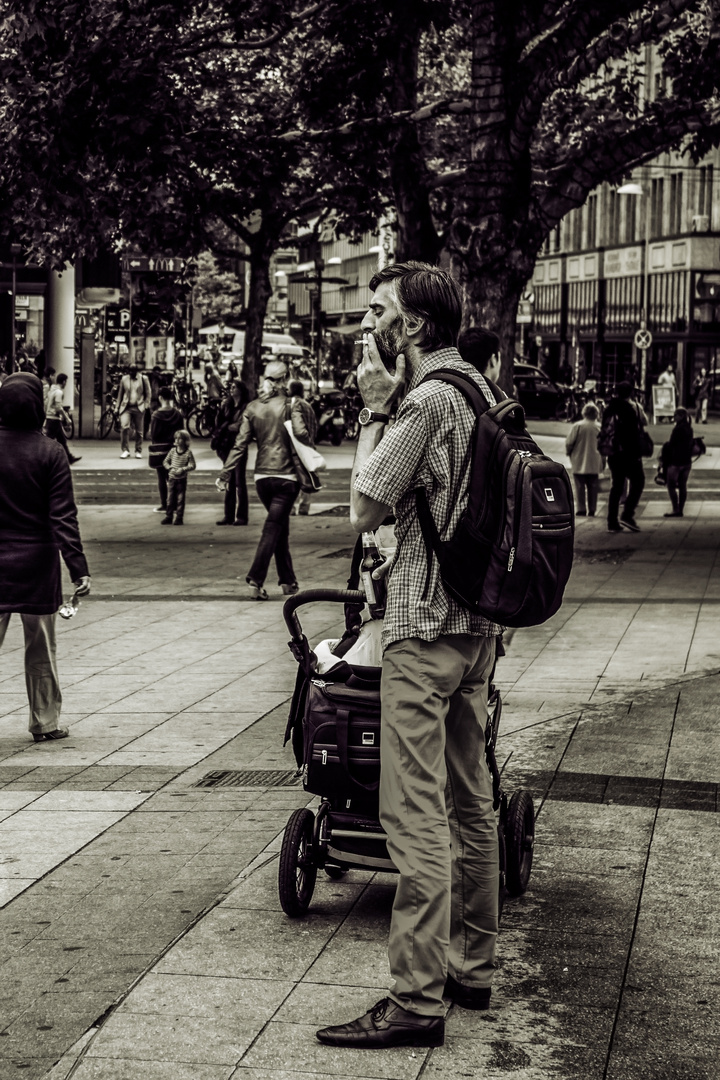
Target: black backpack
{"points": [[512, 551]]}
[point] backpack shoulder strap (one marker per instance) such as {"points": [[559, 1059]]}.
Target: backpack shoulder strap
{"points": [[467, 387]]}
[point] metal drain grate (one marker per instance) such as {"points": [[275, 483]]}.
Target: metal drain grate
{"points": [[249, 778]]}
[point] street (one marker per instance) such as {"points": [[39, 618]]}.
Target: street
{"points": [[141, 932]]}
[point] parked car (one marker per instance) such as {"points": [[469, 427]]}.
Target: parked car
{"points": [[538, 395]]}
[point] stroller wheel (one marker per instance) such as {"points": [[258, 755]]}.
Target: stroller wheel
{"points": [[519, 841], [297, 872]]}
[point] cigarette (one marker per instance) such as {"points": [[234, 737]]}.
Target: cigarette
{"points": [[358, 341]]}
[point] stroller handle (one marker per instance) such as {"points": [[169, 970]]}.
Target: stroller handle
{"points": [[311, 596]]}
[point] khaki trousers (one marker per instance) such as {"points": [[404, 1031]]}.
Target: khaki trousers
{"points": [[41, 675], [436, 808]]}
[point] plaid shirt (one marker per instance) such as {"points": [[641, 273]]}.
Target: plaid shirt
{"points": [[429, 445]]}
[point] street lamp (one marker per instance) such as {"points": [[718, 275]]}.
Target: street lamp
{"points": [[643, 337]]}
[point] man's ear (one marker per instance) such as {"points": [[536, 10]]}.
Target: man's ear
{"points": [[415, 329]]}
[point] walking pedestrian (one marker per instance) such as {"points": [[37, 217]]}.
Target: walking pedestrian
{"points": [[701, 390], [305, 426], [56, 413], [164, 422], [133, 398], [47, 381], [38, 522], [677, 458], [581, 446], [436, 801], [222, 441], [621, 431], [276, 478], [179, 462]]}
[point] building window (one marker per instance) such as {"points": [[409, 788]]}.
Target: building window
{"points": [[613, 219], [592, 222], [630, 219], [656, 207], [576, 230], [668, 302], [676, 198], [623, 304], [548, 309], [704, 192], [583, 306]]}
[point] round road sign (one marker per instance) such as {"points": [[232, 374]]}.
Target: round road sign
{"points": [[643, 339]]}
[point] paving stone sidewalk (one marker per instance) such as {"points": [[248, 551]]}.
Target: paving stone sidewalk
{"points": [[141, 933]]}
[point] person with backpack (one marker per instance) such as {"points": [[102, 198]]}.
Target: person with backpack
{"points": [[621, 441], [436, 802], [677, 459]]}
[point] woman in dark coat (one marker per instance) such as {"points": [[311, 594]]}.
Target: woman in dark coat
{"points": [[38, 522], [677, 458]]}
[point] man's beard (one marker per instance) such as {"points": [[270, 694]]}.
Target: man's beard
{"points": [[390, 343]]}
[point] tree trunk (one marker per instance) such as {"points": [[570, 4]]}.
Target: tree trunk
{"points": [[490, 248], [262, 247], [417, 236]]}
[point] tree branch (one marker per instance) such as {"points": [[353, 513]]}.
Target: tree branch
{"points": [[200, 44], [619, 39], [427, 112], [566, 186]]}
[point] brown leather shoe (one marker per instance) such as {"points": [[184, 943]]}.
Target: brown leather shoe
{"points": [[386, 1024], [467, 997]]}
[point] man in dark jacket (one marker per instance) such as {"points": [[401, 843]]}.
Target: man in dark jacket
{"points": [[627, 419], [38, 521], [275, 477]]}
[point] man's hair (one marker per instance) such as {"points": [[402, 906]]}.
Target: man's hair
{"points": [[681, 415], [428, 293], [49, 372], [165, 393], [590, 412], [62, 378], [624, 390], [296, 388], [478, 346]]}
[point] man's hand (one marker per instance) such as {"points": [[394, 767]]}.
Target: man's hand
{"points": [[82, 586], [379, 388]]}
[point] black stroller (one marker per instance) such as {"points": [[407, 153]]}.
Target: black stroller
{"points": [[334, 725]]}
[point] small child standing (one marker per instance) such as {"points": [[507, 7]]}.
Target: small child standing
{"points": [[586, 460], [179, 462]]}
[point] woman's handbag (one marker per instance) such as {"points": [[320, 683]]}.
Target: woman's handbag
{"points": [[157, 453], [312, 460]]}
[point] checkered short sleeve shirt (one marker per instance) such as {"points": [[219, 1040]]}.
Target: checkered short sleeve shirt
{"points": [[429, 445]]}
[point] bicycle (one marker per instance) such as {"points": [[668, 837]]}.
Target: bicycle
{"points": [[109, 417], [204, 417]]}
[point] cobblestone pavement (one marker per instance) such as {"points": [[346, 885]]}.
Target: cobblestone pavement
{"points": [[140, 930]]}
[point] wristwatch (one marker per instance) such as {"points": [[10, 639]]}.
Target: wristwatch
{"points": [[367, 416]]}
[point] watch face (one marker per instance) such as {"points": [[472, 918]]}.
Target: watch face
{"points": [[364, 416]]}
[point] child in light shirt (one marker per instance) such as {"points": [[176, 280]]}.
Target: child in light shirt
{"points": [[179, 462]]}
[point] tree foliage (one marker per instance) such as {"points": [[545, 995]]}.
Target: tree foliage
{"points": [[483, 122]]}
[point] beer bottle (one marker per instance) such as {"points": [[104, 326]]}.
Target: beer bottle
{"points": [[374, 590]]}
